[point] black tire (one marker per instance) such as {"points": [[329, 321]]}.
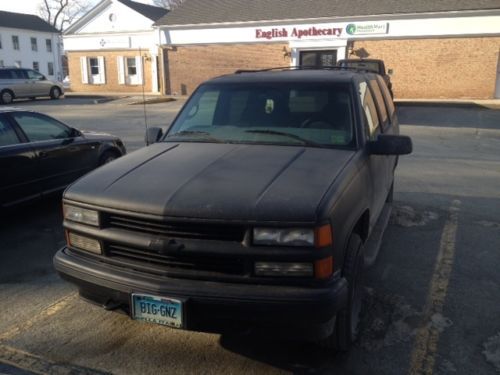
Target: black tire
{"points": [[6, 96], [347, 322], [55, 92], [108, 157]]}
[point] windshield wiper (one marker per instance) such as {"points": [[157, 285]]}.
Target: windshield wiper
{"points": [[285, 134], [206, 135]]}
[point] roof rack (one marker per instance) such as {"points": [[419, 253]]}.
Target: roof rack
{"points": [[284, 68]]}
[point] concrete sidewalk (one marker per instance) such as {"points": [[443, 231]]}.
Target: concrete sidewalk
{"points": [[485, 103]]}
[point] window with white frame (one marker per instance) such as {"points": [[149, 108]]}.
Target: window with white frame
{"points": [[48, 44], [50, 68], [130, 70], [36, 66], [15, 42], [1, 64], [93, 70], [34, 44]]}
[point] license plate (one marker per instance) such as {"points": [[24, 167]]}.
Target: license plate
{"points": [[160, 310]]}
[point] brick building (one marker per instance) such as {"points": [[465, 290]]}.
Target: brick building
{"points": [[114, 48], [433, 49]]}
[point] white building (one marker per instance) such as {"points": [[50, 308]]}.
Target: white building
{"points": [[114, 48], [28, 41]]}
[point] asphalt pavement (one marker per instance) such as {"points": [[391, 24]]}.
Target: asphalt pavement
{"points": [[432, 301]]}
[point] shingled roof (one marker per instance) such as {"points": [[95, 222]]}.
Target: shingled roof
{"points": [[149, 11], [193, 12], [26, 22]]}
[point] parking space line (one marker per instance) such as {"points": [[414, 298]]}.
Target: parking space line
{"points": [[45, 313], [427, 338], [38, 365]]}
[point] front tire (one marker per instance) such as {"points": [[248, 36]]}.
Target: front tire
{"points": [[6, 96], [347, 323], [108, 157], [55, 93]]}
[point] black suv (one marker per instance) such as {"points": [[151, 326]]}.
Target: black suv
{"points": [[258, 209]]}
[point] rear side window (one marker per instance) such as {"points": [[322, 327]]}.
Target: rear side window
{"points": [[372, 120], [41, 128], [7, 134], [5, 74], [380, 101], [387, 96]]}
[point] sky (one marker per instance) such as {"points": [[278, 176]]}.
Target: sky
{"points": [[31, 6]]}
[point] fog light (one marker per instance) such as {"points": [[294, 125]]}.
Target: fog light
{"points": [[284, 269], [84, 243]]}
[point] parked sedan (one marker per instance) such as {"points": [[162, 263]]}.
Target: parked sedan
{"points": [[40, 155]]}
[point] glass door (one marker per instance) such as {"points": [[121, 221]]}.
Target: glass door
{"points": [[318, 58]]}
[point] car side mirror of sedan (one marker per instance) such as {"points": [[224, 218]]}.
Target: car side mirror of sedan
{"points": [[387, 144], [153, 135], [75, 133]]}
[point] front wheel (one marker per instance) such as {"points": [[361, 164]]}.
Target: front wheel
{"points": [[347, 323], [55, 93], [107, 157]]}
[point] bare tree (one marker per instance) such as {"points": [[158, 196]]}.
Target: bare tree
{"points": [[62, 13], [169, 4]]}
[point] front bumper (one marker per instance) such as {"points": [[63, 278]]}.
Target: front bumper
{"points": [[291, 311]]}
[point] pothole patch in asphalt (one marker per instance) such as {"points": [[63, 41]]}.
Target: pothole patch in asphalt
{"points": [[387, 320], [407, 216], [492, 351]]}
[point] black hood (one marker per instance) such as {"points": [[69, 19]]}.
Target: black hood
{"points": [[215, 181]]}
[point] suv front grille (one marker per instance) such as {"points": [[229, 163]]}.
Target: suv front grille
{"points": [[200, 231], [193, 263]]}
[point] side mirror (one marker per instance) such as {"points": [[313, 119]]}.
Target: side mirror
{"points": [[153, 135], [75, 133], [391, 145]]}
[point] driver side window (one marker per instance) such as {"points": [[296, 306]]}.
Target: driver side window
{"points": [[371, 116], [41, 128]]}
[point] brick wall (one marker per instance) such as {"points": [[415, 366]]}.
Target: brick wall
{"points": [[111, 69], [439, 68], [190, 65]]}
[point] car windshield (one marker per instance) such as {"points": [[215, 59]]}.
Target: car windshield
{"points": [[316, 115]]}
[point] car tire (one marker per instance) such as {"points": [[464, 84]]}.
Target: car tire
{"points": [[108, 157], [6, 96], [347, 322], [55, 93]]}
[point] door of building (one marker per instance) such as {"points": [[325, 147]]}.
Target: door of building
{"points": [[497, 87], [318, 58]]}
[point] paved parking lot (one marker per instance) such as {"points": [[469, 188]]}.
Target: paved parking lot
{"points": [[432, 299]]}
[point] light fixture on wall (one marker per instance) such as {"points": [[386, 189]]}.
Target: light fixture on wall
{"points": [[286, 53]]}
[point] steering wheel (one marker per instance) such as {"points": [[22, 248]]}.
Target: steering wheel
{"points": [[318, 123]]}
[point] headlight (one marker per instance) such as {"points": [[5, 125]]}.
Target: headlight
{"points": [[81, 215], [284, 237], [84, 243]]}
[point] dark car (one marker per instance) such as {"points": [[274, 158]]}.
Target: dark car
{"points": [[258, 209], [41, 155], [371, 65]]}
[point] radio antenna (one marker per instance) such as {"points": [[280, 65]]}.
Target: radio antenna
{"points": [[144, 96]]}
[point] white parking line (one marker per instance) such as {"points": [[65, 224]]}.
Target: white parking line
{"points": [[45, 313], [426, 342]]}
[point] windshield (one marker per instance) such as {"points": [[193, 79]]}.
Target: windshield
{"points": [[312, 115]]}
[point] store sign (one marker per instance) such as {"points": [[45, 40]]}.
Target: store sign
{"points": [[297, 32], [367, 28]]}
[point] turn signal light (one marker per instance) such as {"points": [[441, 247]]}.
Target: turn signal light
{"points": [[324, 236], [323, 268]]}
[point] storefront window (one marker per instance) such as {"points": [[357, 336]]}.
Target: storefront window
{"points": [[318, 58], [94, 65]]}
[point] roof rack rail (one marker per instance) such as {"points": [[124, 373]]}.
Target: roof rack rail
{"points": [[284, 68]]}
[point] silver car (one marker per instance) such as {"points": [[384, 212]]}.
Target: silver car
{"points": [[26, 83]]}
